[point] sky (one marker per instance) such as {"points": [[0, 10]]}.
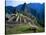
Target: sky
{"points": [[18, 2]]}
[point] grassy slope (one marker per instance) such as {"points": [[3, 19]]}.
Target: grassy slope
{"points": [[22, 28]]}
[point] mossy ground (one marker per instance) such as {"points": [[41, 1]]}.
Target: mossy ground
{"points": [[22, 28]]}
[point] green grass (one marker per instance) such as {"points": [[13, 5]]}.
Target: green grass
{"points": [[22, 28], [18, 29]]}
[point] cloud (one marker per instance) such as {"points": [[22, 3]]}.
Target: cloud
{"points": [[18, 2], [27, 1]]}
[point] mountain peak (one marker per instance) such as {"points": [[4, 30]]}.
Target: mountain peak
{"points": [[24, 3]]}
